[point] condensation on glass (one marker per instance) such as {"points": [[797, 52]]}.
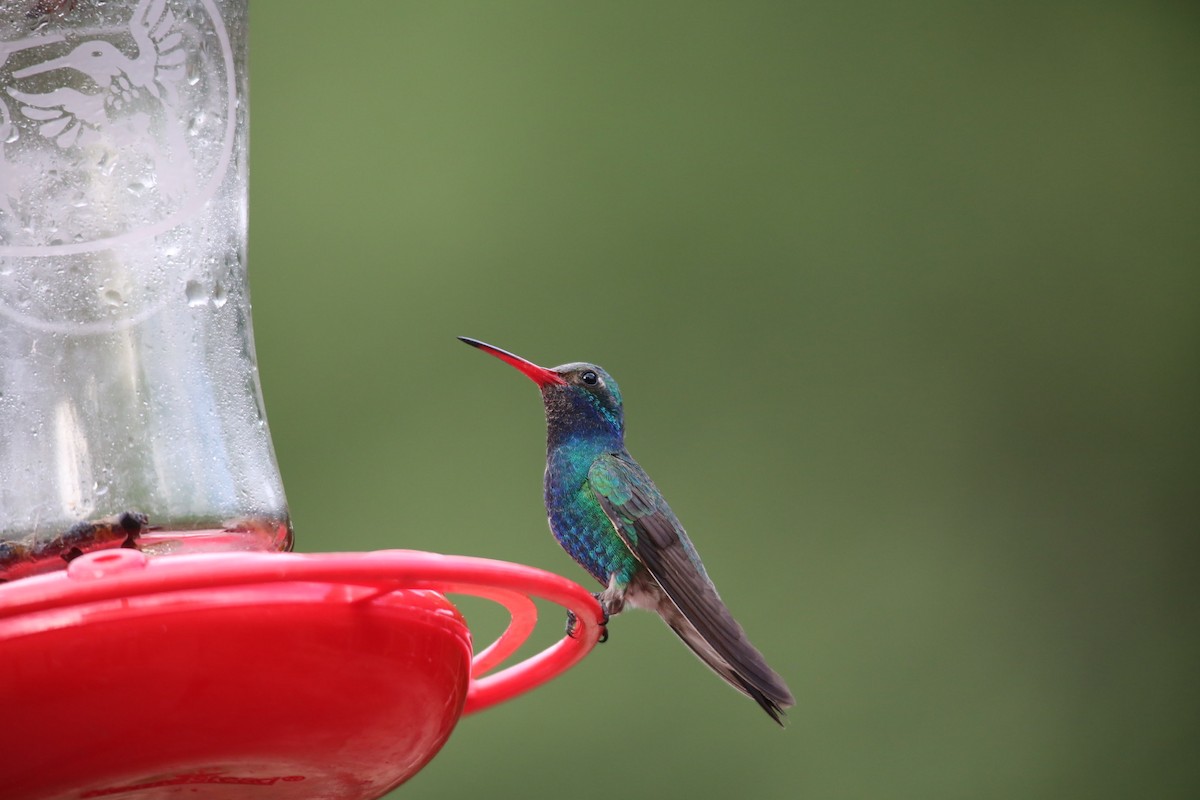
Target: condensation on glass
{"points": [[130, 407]]}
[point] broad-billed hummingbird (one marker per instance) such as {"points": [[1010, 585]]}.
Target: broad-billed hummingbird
{"points": [[610, 517]]}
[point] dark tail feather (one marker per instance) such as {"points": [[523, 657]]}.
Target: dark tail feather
{"points": [[728, 652]]}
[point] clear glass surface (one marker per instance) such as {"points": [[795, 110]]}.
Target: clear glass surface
{"points": [[130, 405]]}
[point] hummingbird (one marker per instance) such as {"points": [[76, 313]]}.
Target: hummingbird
{"points": [[610, 517]]}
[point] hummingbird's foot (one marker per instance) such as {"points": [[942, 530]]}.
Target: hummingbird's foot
{"points": [[603, 618], [573, 624], [600, 598]]}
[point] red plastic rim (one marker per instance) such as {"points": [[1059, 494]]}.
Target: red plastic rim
{"points": [[507, 584]]}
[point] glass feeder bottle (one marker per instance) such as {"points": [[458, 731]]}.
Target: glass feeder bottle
{"points": [[130, 406]]}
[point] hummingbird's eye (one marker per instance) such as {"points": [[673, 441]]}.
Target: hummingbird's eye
{"points": [[590, 378]]}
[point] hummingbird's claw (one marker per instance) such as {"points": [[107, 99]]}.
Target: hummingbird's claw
{"points": [[573, 625], [604, 617], [572, 622], [603, 608]]}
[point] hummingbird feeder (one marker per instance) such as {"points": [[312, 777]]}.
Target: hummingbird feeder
{"points": [[156, 639]]}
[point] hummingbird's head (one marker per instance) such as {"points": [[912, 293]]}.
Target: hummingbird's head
{"points": [[581, 399]]}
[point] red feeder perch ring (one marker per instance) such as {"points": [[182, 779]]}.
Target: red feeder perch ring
{"points": [[275, 675]]}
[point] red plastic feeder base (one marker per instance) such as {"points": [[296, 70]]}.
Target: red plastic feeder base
{"points": [[239, 675]]}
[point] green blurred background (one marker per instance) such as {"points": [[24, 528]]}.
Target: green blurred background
{"points": [[903, 302]]}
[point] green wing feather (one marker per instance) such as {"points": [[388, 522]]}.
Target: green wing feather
{"points": [[653, 534]]}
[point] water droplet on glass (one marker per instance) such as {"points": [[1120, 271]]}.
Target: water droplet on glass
{"points": [[196, 296], [112, 297], [106, 164], [219, 296], [137, 188], [12, 136]]}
